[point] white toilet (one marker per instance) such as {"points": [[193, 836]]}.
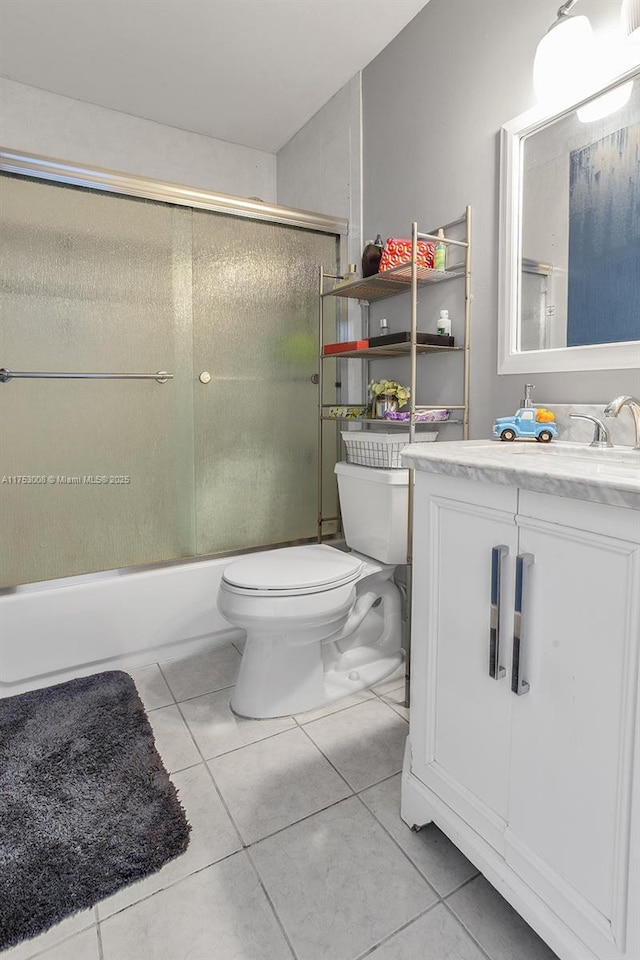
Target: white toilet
{"points": [[321, 623]]}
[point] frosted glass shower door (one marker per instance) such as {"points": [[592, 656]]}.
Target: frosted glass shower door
{"points": [[93, 282], [255, 315], [100, 474]]}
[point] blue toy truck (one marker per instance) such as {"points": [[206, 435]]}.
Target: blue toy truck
{"points": [[528, 423]]}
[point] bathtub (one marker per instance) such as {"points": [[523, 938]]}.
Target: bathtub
{"points": [[54, 631]]}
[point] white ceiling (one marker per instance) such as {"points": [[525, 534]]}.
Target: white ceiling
{"points": [[248, 71]]}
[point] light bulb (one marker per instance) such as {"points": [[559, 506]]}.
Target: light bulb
{"points": [[562, 69], [606, 104]]}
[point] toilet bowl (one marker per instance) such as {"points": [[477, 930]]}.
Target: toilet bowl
{"points": [[321, 623]]}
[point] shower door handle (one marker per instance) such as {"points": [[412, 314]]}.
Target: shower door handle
{"points": [[6, 375]]}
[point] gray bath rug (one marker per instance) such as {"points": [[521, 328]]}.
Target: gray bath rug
{"points": [[86, 806]]}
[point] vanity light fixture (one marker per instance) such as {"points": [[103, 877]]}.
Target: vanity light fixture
{"points": [[606, 104], [569, 62], [563, 65], [609, 62]]}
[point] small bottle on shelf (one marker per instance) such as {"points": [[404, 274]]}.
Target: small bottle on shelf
{"points": [[444, 324], [440, 252], [384, 327]]}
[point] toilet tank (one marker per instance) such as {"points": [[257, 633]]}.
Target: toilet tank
{"points": [[374, 505]]}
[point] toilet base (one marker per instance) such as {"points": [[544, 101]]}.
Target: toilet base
{"points": [[342, 683], [357, 671], [306, 650]]}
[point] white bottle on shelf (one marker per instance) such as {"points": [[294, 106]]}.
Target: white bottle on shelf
{"points": [[444, 324]]}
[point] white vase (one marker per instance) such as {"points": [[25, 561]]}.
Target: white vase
{"points": [[385, 404]]}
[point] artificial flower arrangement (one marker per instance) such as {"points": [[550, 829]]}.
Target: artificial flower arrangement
{"points": [[389, 388]]}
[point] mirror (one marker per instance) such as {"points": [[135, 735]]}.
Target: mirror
{"points": [[569, 261]]}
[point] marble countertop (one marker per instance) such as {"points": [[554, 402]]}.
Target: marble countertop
{"points": [[560, 468]]}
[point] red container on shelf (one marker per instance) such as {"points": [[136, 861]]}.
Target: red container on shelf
{"points": [[397, 252], [346, 345]]}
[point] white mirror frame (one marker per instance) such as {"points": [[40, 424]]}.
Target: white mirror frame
{"points": [[600, 356]]}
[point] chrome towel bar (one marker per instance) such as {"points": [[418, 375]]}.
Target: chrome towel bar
{"points": [[5, 375]]}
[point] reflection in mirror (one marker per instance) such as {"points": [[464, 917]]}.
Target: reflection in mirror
{"points": [[580, 235], [569, 252]]}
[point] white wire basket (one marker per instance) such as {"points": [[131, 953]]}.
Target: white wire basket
{"points": [[371, 449]]}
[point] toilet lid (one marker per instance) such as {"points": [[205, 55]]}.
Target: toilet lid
{"points": [[313, 568]]}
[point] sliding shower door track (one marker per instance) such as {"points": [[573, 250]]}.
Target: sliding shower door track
{"points": [[97, 178]]}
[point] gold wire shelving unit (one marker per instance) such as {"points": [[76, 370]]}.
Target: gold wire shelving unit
{"points": [[406, 278]]}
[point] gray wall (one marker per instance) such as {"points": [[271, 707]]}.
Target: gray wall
{"points": [[320, 168], [36, 121], [433, 102]]}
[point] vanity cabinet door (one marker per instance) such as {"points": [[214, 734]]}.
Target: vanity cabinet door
{"points": [[572, 749], [460, 714]]}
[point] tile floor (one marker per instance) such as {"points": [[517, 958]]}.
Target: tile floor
{"points": [[297, 849]]}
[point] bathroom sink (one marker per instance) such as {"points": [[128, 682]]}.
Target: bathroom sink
{"points": [[580, 451], [561, 467], [575, 459]]}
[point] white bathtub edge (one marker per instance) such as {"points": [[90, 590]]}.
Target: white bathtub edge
{"points": [[53, 634]]}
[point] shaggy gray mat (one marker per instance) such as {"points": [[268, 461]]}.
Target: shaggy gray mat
{"points": [[86, 806]]}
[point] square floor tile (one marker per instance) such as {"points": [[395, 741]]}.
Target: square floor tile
{"points": [[151, 686], [212, 838], [217, 730], [365, 743], [395, 698], [398, 708], [396, 688], [273, 783], [220, 913], [240, 643], [334, 707], [57, 934], [173, 740], [84, 946], [496, 925], [202, 672], [436, 936], [338, 883], [444, 866]]}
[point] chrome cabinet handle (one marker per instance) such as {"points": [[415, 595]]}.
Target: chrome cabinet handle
{"points": [[497, 554], [519, 686]]}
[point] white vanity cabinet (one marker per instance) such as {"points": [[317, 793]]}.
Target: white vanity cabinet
{"points": [[524, 702]]}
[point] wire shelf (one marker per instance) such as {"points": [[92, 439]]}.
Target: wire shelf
{"points": [[393, 350], [392, 423], [391, 282]]}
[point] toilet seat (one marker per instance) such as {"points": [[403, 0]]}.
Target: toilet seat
{"points": [[292, 571]]}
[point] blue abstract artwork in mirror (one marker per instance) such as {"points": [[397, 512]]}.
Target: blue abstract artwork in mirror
{"points": [[604, 240]]}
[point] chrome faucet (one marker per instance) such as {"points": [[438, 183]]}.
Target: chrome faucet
{"points": [[613, 409], [601, 436]]}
